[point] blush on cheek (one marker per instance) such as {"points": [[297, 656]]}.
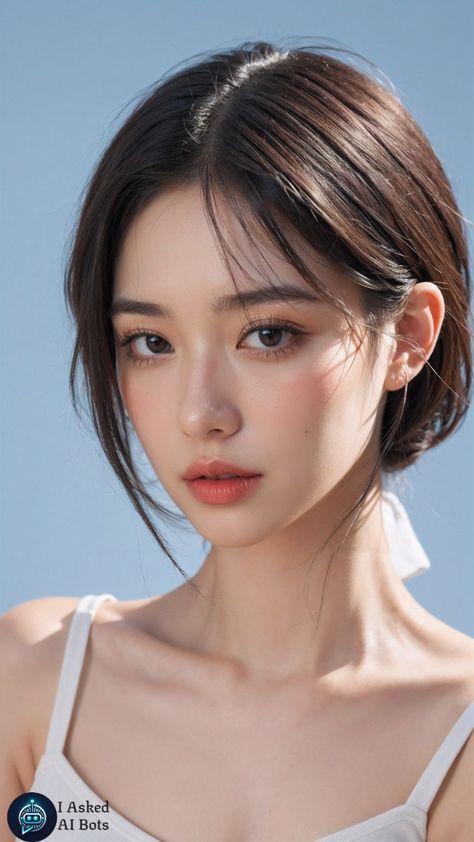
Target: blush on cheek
{"points": [[319, 408], [149, 418], [313, 389], [143, 414], [135, 401]]}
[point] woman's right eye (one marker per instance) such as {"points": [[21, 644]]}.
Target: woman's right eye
{"points": [[150, 342], [133, 336]]}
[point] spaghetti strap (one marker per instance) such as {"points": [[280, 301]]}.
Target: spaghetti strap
{"points": [[428, 784], [71, 667]]}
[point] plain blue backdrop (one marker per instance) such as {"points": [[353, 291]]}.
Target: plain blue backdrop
{"points": [[70, 71]]}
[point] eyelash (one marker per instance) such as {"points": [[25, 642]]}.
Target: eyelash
{"points": [[274, 324]]}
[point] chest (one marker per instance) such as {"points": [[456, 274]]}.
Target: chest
{"points": [[183, 766]]}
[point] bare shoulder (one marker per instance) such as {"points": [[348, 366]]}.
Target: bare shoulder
{"points": [[26, 624], [32, 638], [452, 811], [451, 815]]}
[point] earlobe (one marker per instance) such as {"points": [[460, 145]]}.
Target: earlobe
{"points": [[398, 378], [399, 374]]}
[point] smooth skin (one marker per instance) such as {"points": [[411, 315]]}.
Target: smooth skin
{"points": [[242, 718]]}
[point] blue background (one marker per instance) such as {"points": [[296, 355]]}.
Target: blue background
{"points": [[70, 72]]}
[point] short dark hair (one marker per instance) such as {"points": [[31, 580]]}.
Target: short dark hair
{"points": [[312, 150]]}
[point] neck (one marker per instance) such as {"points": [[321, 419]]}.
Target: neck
{"points": [[285, 609]]}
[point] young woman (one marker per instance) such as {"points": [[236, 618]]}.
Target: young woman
{"points": [[269, 280]]}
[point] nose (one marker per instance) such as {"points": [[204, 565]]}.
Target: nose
{"points": [[207, 399]]}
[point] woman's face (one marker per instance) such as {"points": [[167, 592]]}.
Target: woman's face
{"points": [[299, 408]]}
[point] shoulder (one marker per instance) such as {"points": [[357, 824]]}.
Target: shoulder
{"points": [[451, 815], [32, 639], [25, 624]]}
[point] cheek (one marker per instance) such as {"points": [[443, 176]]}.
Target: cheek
{"points": [[314, 395], [141, 401], [317, 418]]}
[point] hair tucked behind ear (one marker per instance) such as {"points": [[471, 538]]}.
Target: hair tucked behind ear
{"points": [[307, 149]]}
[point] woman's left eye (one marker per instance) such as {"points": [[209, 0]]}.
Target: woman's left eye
{"points": [[270, 330]]}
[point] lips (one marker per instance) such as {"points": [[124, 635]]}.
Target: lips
{"points": [[223, 491]]}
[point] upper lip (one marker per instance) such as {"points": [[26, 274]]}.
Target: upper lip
{"points": [[214, 467]]}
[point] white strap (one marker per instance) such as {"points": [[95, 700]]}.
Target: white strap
{"points": [[71, 668], [428, 784]]}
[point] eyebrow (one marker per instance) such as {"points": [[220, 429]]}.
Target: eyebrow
{"points": [[222, 304]]}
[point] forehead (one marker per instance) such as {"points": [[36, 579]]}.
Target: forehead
{"points": [[170, 250]]}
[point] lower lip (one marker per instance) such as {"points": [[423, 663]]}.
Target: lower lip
{"points": [[222, 490]]}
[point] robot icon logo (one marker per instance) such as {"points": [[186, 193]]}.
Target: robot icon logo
{"points": [[32, 815]]}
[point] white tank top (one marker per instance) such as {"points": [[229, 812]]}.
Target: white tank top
{"points": [[59, 781]]}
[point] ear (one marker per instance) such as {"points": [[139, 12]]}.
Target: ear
{"points": [[417, 332]]}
